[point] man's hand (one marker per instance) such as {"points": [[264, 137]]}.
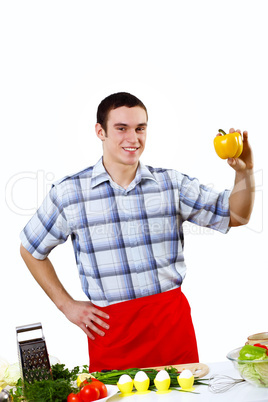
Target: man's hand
{"points": [[81, 313], [245, 160], [86, 316]]}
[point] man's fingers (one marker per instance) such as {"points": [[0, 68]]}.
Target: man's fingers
{"points": [[92, 322], [87, 332], [245, 135], [88, 318], [100, 313], [94, 319], [91, 326], [95, 314], [102, 323]]}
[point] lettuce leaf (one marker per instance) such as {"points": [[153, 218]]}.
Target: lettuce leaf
{"points": [[256, 373]]}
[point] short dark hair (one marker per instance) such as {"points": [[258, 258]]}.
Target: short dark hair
{"points": [[115, 101]]}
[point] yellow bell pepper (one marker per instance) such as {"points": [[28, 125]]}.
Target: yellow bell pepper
{"points": [[228, 145]]}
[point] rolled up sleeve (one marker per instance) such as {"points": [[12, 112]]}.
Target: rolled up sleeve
{"points": [[204, 205], [47, 228]]}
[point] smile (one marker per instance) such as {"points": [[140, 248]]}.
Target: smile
{"points": [[130, 149]]}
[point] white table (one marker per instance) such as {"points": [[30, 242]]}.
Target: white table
{"points": [[242, 392]]}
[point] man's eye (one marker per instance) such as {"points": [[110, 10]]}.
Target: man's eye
{"points": [[121, 128], [141, 129]]}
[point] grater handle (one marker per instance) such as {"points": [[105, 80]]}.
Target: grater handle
{"points": [[30, 327]]}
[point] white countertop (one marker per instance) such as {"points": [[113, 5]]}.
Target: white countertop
{"points": [[242, 392]]}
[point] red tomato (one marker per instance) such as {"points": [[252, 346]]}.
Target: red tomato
{"points": [[89, 393], [85, 383], [73, 398], [101, 387]]}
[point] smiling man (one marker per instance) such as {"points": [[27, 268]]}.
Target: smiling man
{"points": [[123, 140], [125, 221]]}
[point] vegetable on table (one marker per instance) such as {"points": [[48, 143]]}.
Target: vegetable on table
{"points": [[91, 390], [73, 398], [63, 385], [261, 346], [89, 393], [228, 145], [101, 387], [251, 352], [86, 378], [9, 373], [253, 364], [56, 389]]}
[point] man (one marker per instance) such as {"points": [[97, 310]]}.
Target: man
{"points": [[125, 222]]}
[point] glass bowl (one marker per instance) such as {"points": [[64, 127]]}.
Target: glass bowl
{"points": [[253, 371]]}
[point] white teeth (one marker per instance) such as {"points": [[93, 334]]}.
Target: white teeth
{"points": [[130, 149]]}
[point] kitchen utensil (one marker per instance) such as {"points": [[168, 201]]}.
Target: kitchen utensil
{"points": [[199, 370], [33, 356], [261, 337], [222, 383], [5, 396]]}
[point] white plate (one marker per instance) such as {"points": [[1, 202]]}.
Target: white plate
{"points": [[111, 391]]}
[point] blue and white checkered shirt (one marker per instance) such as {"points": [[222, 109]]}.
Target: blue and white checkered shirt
{"points": [[128, 243]]}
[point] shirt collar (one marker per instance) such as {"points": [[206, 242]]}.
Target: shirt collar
{"points": [[100, 175], [143, 173]]}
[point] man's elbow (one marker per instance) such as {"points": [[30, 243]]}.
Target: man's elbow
{"points": [[238, 221], [25, 254]]}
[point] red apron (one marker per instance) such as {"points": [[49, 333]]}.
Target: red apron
{"points": [[146, 332]]}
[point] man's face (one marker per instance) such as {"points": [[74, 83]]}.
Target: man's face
{"points": [[125, 136]]}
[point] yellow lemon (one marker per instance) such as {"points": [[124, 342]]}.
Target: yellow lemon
{"points": [[82, 377]]}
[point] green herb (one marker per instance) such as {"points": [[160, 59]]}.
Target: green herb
{"points": [[59, 371], [56, 389], [48, 390], [17, 393]]}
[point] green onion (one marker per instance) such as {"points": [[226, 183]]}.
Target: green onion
{"points": [[112, 377]]}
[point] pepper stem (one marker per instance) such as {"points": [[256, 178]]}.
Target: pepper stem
{"points": [[221, 131]]}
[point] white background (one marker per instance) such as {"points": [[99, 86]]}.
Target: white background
{"points": [[198, 66]]}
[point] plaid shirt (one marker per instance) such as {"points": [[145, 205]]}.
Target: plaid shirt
{"points": [[128, 243]]}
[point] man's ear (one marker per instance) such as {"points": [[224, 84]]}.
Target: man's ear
{"points": [[100, 131]]}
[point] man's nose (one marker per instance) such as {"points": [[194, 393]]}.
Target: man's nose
{"points": [[132, 136]]}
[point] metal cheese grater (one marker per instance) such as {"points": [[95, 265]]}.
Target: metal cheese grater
{"points": [[33, 356]]}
